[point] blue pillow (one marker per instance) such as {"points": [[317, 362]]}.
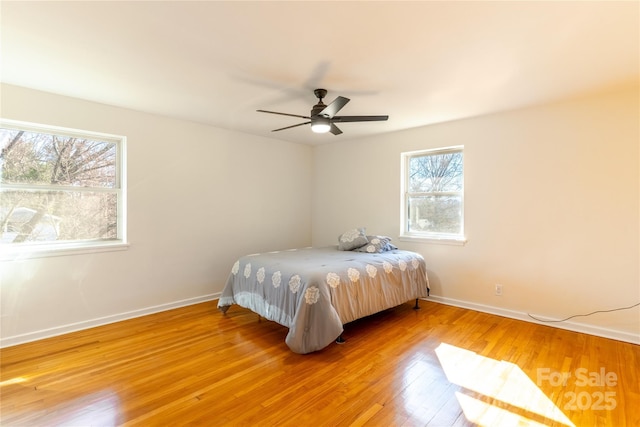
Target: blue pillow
{"points": [[377, 244]]}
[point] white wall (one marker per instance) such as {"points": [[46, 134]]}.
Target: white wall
{"points": [[551, 209], [198, 198], [552, 213]]}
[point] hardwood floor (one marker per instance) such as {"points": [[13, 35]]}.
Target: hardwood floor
{"points": [[438, 366]]}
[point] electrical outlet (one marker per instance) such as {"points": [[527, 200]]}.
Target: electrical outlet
{"points": [[498, 289]]}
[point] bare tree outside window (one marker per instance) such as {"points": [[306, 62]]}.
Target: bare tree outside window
{"points": [[57, 187], [434, 193]]}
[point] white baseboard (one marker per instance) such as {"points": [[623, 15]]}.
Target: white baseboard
{"points": [[570, 326], [73, 327]]}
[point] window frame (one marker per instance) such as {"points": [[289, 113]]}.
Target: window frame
{"points": [[9, 251], [428, 236]]}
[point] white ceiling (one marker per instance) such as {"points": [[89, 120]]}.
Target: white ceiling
{"points": [[419, 62]]}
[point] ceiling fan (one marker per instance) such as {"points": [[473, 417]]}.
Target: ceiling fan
{"points": [[323, 117]]}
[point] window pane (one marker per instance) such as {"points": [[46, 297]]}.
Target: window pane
{"points": [[437, 214], [47, 216], [435, 173], [46, 159]]}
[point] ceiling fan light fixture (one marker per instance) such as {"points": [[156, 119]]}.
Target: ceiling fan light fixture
{"points": [[321, 126]]}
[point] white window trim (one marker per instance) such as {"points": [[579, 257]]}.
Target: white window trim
{"points": [[10, 252], [24, 252], [444, 240], [426, 237]]}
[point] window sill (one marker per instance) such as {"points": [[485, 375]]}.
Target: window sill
{"points": [[33, 251], [455, 241]]}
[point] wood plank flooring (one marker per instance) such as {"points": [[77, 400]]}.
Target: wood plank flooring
{"points": [[438, 366]]}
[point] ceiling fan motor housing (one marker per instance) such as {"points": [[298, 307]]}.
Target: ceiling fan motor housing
{"points": [[317, 109]]}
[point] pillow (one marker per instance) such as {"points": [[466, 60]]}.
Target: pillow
{"points": [[377, 244], [352, 239], [390, 247]]}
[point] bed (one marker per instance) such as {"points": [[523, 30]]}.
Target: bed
{"points": [[315, 291]]}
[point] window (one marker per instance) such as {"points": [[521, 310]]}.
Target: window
{"points": [[60, 189], [433, 197]]}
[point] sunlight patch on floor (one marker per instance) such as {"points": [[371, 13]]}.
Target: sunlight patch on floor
{"points": [[521, 399], [485, 414]]}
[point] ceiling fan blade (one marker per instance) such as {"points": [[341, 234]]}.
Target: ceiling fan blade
{"points": [[333, 108], [335, 129], [283, 114], [343, 119], [289, 127]]}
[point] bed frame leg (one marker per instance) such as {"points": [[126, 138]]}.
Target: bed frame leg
{"points": [[417, 306], [340, 340]]}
